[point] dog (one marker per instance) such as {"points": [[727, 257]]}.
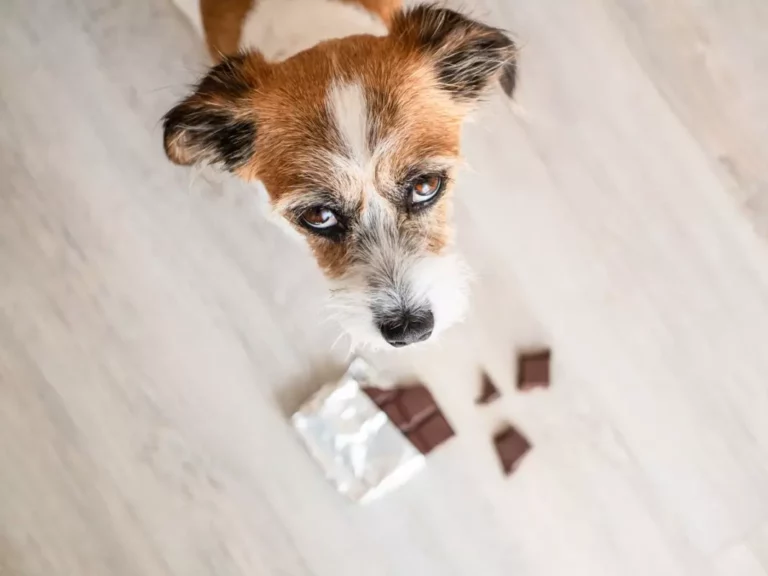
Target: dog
{"points": [[349, 114]]}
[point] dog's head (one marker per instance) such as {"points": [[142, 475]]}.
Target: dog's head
{"points": [[357, 142]]}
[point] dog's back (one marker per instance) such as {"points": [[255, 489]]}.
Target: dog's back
{"points": [[280, 28]]}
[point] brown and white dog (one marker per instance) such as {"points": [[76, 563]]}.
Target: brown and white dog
{"points": [[349, 114]]}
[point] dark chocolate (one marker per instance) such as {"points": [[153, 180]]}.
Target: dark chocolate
{"points": [[533, 370], [433, 432], [488, 390], [413, 410], [511, 446]]}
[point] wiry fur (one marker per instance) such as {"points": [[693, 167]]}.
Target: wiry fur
{"points": [[466, 53], [348, 125], [214, 125], [391, 274]]}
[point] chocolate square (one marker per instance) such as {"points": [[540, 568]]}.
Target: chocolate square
{"points": [[533, 370], [511, 446], [431, 433], [413, 410], [488, 391], [417, 403]]}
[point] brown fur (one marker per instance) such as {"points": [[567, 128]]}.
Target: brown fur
{"points": [[416, 86], [294, 129], [222, 22]]}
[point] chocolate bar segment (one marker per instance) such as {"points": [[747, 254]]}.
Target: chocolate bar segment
{"points": [[511, 446], [430, 434], [533, 370], [488, 391], [413, 410]]}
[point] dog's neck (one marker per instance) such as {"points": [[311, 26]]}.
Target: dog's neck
{"points": [[281, 28]]}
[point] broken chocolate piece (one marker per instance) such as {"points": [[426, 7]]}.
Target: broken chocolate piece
{"points": [[413, 410], [488, 392], [511, 446], [533, 370]]}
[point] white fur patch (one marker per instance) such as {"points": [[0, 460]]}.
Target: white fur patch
{"points": [[388, 279], [443, 281], [356, 168], [349, 110], [281, 28]]}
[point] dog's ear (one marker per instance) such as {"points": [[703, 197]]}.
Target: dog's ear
{"points": [[217, 123], [468, 55]]}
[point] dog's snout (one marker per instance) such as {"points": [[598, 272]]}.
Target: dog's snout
{"points": [[407, 328]]}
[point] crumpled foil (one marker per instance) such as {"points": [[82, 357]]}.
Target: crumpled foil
{"points": [[361, 452]]}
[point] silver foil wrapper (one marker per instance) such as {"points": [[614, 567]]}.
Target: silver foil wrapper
{"points": [[361, 452]]}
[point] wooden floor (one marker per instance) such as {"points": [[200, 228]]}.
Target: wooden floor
{"points": [[155, 331]]}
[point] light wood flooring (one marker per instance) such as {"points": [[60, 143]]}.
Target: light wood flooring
{"points": [[155, 331]]}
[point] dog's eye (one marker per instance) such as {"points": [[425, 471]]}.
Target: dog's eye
{"points": [[320, 218], [425, 188]]}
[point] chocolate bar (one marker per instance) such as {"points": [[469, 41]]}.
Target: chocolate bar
{"points": [[359, 448], [488, 390], [511, 446], [413, 410], [533, 370]]}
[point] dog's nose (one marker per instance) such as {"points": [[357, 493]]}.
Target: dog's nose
{"points": [[407, 328]]}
